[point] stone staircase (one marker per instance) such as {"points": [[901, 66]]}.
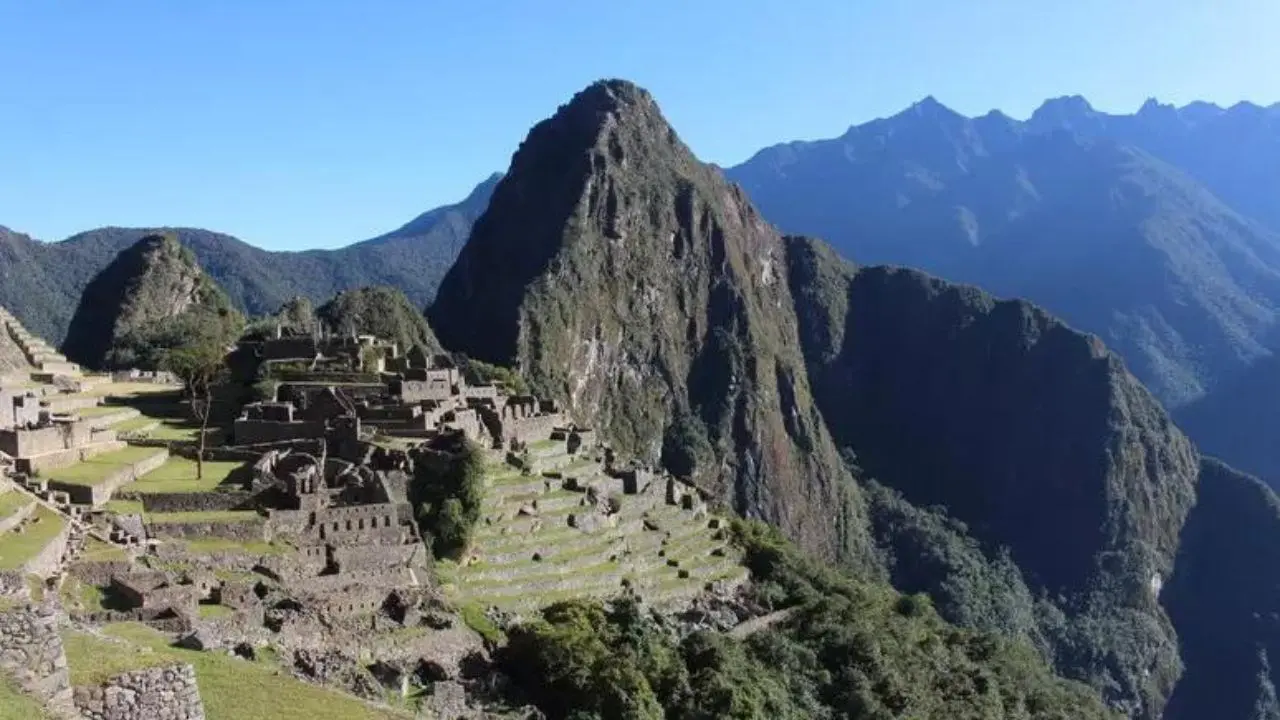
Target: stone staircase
{"points": [[43, 357]]}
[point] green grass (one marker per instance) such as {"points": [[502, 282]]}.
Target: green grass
{"points": [[248, 547], [202, 516], [178, 474], [124, 507], [98, 468], [97, 551], [210, 612], [80, 595], [16, 705], [474, 617], [100, 410], [18, 547], [134, 424], [12, 501], [92, 659], [234, 689]]}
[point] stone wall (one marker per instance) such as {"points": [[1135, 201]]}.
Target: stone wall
{"points": [[382, 523], [256, 432], [60, 436], [161, 693], [31, 652], [102, 443], [13, 585], [99, 572], [192, 501], [368, 557], [99, 494]]}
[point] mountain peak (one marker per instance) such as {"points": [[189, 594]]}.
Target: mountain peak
{"points": [[1063, 111]]}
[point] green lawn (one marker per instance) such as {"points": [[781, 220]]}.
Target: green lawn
{"points": [[178, 474], [248, 547], [234, 689], [18, 547], [100, 410], [97, 551], [134, 424], [203, 516], [124, 507], [16, 705], [92, 659], [210, 612], [99, 467], [12, 501]]}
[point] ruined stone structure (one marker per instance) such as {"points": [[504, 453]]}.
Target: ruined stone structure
{"points": [[31, 653], [168, 693]]}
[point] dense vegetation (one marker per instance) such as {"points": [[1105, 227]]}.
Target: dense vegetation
{"points": [[382, 311], [848, 649], [446, 492], [43, 282], [151, 299]]}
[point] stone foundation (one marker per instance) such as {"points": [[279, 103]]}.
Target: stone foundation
{"points": [[162, 693], [31, 652]]}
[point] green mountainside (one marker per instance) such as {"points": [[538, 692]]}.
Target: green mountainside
{"points": [[988, 454], [1030, 436], [1240, 420], [148, 298], [625, 278], [41, 283], [381, 311]]}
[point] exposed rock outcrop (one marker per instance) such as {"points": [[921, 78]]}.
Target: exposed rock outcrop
{"points": [[633, 282], [151, 294]]}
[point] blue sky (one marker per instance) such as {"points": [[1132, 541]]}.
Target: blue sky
{"points": [[309, 123]]}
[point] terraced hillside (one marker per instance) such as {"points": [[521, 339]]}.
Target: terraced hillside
{"points": [[20, 350], [565, 528]]}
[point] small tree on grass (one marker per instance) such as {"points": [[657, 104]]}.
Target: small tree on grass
{"points": [[198, 364]]}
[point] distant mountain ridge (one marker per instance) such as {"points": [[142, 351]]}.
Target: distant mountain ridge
{"points": [[41, 282], [1104, 220]]}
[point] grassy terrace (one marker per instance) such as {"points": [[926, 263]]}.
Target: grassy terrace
{"points": [[98, 468], [11, 502], [231, 688], [97, 551], [15, 705], [572, 562], [178, 474], [198, 546], [202, 516], [100, 411], [17, 548], [137, 424]]}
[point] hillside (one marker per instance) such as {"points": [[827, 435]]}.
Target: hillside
{"points": [[648, 295], [987, 453], [42, 282], [1235, 151], [1239, 420], [149, 298], [1106, 235], [384, 312]]}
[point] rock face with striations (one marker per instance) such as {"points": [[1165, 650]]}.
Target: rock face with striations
{"points": [[631, 281], [149, 297]]}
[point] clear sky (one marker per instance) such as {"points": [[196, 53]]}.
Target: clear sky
{"points": [[316, 123]]}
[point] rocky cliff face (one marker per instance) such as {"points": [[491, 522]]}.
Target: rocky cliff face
{"points": [[1006, 464], [151, 294], [1224, 598], [1030, 434], [629, 280]]}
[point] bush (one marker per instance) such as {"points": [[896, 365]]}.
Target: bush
{"points": [[447, 489]]}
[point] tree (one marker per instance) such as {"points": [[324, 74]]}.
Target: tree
{"points": [[198, 365]]}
